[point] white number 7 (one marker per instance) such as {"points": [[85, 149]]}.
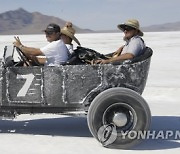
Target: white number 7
{"points": [[29, 78]]}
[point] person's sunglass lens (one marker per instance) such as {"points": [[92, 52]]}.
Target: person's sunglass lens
{"points": [[49, 32], [127, 28]]}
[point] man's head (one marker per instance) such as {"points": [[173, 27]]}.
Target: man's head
{"points": [[68, 34], [130, 28], [52, 32]]}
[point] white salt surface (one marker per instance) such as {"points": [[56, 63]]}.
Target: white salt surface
{"points": [[55, 134]]}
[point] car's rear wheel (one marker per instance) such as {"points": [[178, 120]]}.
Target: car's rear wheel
{"points": [[116, 116]]}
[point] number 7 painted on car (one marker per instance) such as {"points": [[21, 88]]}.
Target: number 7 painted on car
{"points": [[24, 85]]}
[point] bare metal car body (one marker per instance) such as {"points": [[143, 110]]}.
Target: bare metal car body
{"points": [[72, 88]]}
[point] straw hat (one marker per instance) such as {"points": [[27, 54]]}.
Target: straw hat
{"points": [[132, 23], [69, 31]]}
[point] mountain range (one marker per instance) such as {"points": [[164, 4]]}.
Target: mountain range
{"points": [[21, 21]]}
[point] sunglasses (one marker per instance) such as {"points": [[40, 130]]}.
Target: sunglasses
{"points": [[128, 28], [49, 32]]}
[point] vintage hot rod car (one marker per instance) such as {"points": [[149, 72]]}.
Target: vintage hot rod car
{"points": [[110, 94]]}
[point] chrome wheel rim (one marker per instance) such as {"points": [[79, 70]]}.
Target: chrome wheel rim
{"points": [[122, 115]]}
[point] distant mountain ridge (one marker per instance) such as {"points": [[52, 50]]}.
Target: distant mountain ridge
{"points": [[175, 26], [21, 21]]}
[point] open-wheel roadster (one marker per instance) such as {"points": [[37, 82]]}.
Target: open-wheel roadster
{"points": [[110, 94]]}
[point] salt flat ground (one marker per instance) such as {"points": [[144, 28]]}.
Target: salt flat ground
{"points": [[56, 134]]}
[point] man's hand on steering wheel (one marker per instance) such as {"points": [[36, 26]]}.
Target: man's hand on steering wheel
{"points": [[26, 58], [19, 47], [18, 43]]}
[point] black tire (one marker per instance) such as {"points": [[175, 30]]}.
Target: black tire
{"points": [[116, 112]]}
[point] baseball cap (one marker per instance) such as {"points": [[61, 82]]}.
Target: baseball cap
{"points": [[52, 28]]}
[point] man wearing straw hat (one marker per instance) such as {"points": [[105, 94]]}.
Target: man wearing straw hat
{"points": [[134, 45], [67, 35]]}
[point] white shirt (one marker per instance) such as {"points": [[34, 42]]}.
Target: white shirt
{"points": [[70, 48], [134, 46], [56, 53]]}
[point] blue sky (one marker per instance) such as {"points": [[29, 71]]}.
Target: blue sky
{"points": [[101, 14]]}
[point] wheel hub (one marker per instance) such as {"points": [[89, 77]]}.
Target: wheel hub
{"points": [[120, 119]]}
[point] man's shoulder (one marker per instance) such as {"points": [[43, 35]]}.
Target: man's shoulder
{"points": [[137, 39], [53, 44], [57, 42]]}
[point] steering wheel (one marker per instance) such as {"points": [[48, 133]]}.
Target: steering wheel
{"points": [[22, 56]]}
